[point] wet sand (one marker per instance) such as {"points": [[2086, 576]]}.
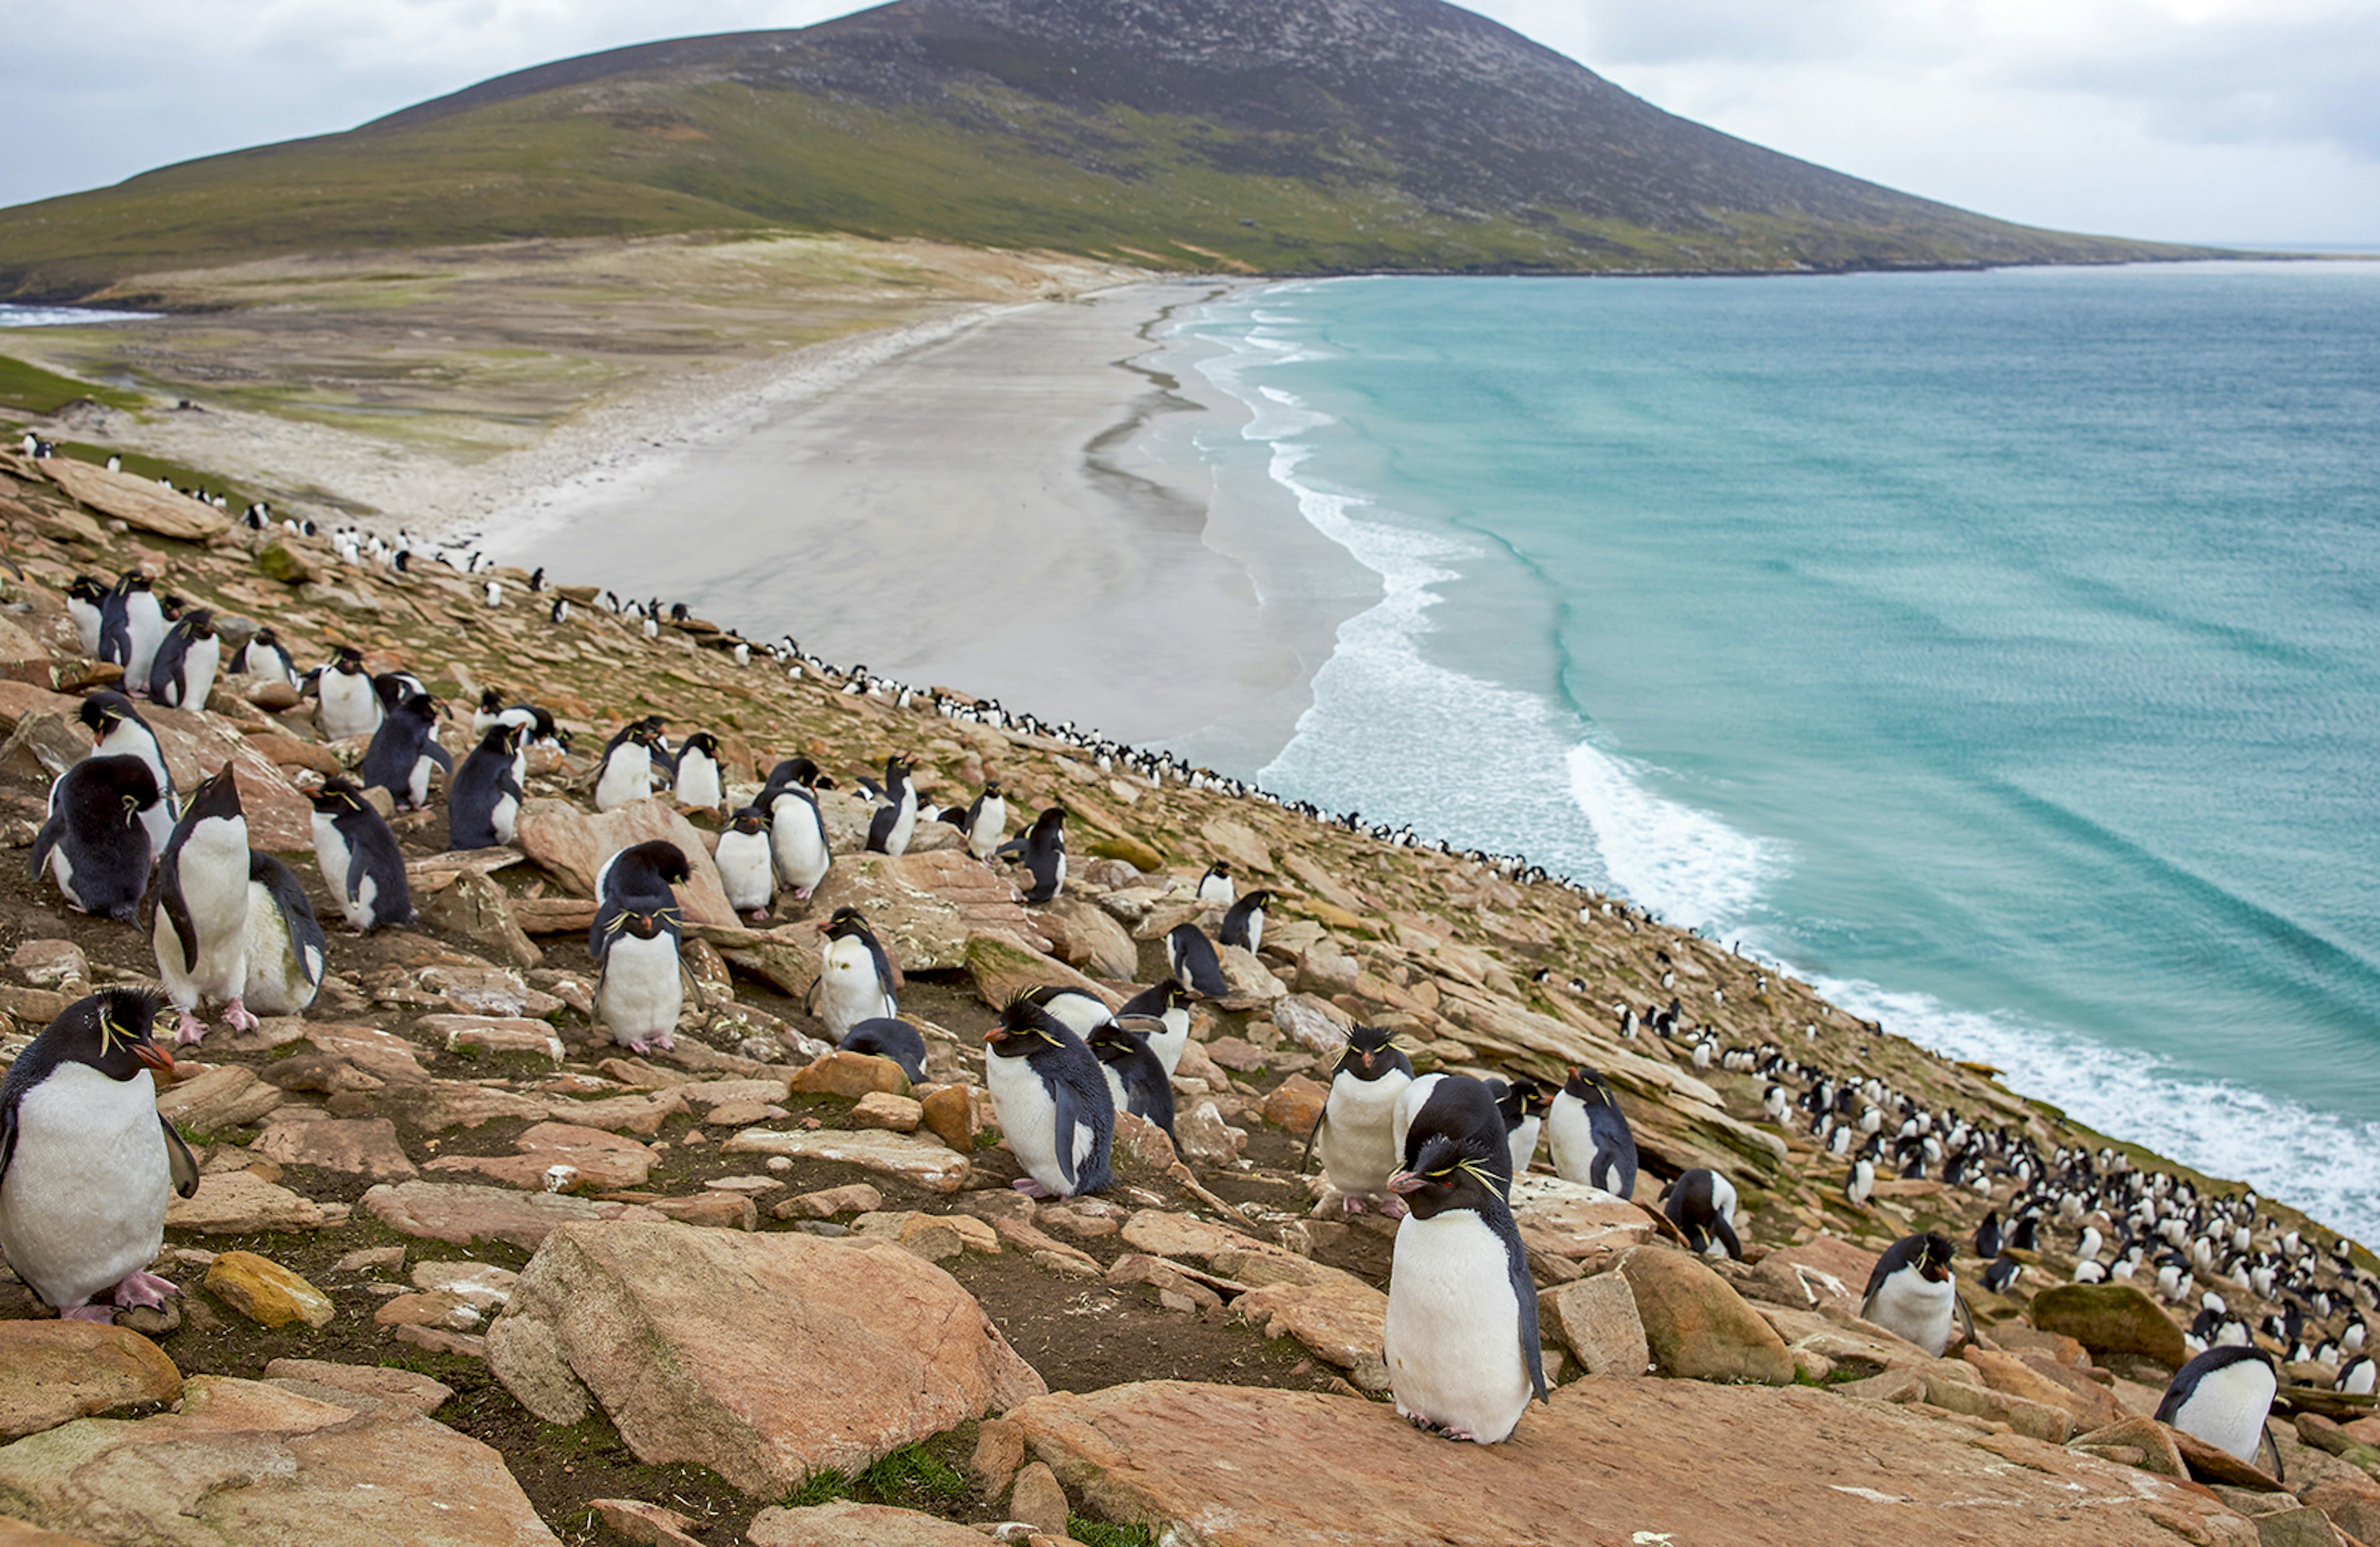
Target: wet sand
{"points": [[1015, 506]]}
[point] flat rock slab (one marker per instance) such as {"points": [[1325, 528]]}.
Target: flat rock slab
{"points": [[372, 1382], [137, 501], [357, 1145], [923, 906], [574, 844], [602, 1159], [762, 1357], [52, 1372], [248, 1464], [929, 1163], [463, 1212], [1608, 1459], [243, 1204], [1577, 1222], [1341, 1321], [847, 1524]]}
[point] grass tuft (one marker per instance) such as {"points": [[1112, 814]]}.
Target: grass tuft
{"points": [[1098, 1533]]}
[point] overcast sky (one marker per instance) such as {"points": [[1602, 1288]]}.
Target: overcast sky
{"points": [[2187, 120]]}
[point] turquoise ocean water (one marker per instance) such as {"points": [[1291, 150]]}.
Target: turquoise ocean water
{"points": [[2000, 651]]}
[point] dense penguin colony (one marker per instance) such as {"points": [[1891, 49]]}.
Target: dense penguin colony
{"points": [[87, 1172]]}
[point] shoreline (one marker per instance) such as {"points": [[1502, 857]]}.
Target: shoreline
{"points": [[1068, 543]]}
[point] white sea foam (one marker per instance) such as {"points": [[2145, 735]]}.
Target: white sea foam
{"points": [[13, 316], [1491, 766]]}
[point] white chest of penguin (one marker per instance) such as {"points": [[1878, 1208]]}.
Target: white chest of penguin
{"points": [[84, 1200], [1918, 1310], [1358, 1144], [1452, 1333], [212, 871], [641, 990], [850, 987]]}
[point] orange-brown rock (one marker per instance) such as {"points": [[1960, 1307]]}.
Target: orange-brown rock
{"points": [[54, 1372], [601, 1160], [763, 1357], [923, 906], [949, 1114], [1745, 1466], [847, 1524], [1296, 1105], [573, 844], [1696, 1326], [851, 1076]]}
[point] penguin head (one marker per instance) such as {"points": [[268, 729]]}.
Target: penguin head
{"points": [[1519, 1098], [1025, 1030], [199, 624], [749, 820], [217, 796], [1050, 821], [659, 859], [1116, 1042], [703, 742], [644, 924], [338, 796], [1932, 1257], [990, 788], [132, 580], [349, 662], [1255, 901], [1584, 1084], [87, 588], [111, 1030], [504, 737], [490, 701], [1449, 1170], [1220, 869], [795, 771], [420, 707], [848, 923], [1370, 1053]]}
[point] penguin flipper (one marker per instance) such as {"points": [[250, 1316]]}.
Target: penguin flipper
{"points": [[179, 1162], [8, 1139], [178, 914], [1064, 1118], [1725, 1231], [44, 841], [1311, 1135], [2265, 1442], [440, 756], [1966, 1316], [1524, 1297]]}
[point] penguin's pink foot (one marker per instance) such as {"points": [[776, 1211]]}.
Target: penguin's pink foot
{"points": [[1393, 1207], [1351, 1203], [187, 1028], [758, 915], [802, 894], [102, 1314], [144, 1289], [1464, 1434], [236, 1017], [646, 1045], [1031, 1189]]}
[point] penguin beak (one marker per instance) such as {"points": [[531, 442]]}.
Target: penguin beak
{"points": [[1406, 1181], [1935, 1272], [998, 1033], [156, 1058]]}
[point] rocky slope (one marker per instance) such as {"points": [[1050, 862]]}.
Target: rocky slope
{"points": [[1300, 136], [777, 1294]]}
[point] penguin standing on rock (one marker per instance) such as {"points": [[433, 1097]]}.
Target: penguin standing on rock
{"points": [[698, 782], [1137, 1079], [347, 702], [1164, 1010], [1043, 848], [1701, 1203], [132, 625], [1052, 1103], [887, 1037], [626, 772], [86, 598], [894, 823], [1192, 956], [120, 731], [286, 949], [1243, 925], [403, 751], [1459, 1335], [635, 942], [484, 800], [1355, 1136], [95, 844], [1522, 1103], [856, 980], [986, 822], [359, 860], [797, 828], [183, 672], [264, 658], [198, 908], [1215, 888], [87, 1164], [2223, 1397], [1912, 1293], [1589, 1135], [747, 869]]}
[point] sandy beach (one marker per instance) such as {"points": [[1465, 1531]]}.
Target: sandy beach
{"points": [[1015, 502]]}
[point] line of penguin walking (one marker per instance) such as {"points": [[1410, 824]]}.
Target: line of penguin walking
{"points": [[230, 925]]}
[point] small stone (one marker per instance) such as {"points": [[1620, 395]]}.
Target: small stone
{"points": [[482, 1283], [949, 1114], [1296, 1105], [1064, 1266], [418, 1392], [50, 963], [1203, 1136], [278, 561], [723, 1210], [265, 1292], [648, 1525], [856, 1198], [881, 1109], [437, 1308], [370, 1259], [1039, 1500]]}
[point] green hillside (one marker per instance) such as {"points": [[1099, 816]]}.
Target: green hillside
{"points": [[1310, 136]]}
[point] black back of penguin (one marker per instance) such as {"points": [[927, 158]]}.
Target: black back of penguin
{"points": [[1194, 960], [400, 744], [1695, 1205], [1146, 1091], [1243, 925], [485, 779], [1043, 847], [370, 853], [885, 1037], [95, 826]]}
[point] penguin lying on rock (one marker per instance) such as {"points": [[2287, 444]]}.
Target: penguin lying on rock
{"points": [[2223, 1397], [87, 1164], [1052, 1102], [884, 1037], [95, 844], [1459, 1335]]}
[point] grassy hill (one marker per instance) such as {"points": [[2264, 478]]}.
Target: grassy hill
{"points": [[1299, 136]]}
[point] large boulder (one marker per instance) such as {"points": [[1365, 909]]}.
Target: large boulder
{"points": [[1003, 966], [249, 1464], [923, 906], [763, 1357], [1082, 934], [1696, 1326], [574, 844], [1607, 1460], [1596, 1319], [2111, 1319]]}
